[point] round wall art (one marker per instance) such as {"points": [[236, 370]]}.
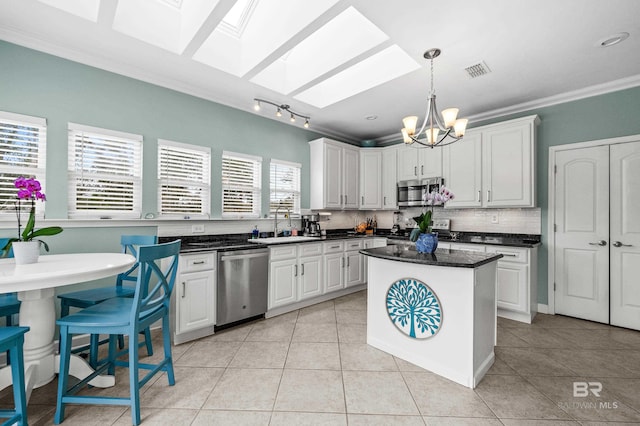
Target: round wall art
{"points": [[414, 308]]}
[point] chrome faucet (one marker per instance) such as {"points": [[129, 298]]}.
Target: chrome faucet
{"points": [[275, 220]]}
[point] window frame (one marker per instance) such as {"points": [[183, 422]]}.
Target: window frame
{"points": [[135, 143], [205, 183], [8, 212], [295, 212], [255, 187]]}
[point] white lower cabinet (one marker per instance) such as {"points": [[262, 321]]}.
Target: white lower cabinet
{"points": [[517, 282], [371, 243], [354, 263], [516, 279], [333, 265], [295, 273], [195, 296]]}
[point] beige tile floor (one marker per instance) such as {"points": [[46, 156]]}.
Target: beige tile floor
{"points": [[313, 367]]}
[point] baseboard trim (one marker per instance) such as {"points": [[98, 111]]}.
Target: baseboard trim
{"points": [[543, 309]]}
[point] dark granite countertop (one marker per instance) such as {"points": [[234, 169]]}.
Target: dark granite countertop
{"points": [[441, 257], [199, 243], [512, 240]]}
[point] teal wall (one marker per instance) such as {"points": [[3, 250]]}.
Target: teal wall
{"points": [[46, 86], [62, 91], [599, 117]]}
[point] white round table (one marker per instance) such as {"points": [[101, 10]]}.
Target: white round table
{"points": [[35, 284]]}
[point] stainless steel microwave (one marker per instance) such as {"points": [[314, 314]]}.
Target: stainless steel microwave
{"points": [[411, 192]]}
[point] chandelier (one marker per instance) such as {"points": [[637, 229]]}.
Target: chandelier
{"points": [[279, 108], [452, 128]]}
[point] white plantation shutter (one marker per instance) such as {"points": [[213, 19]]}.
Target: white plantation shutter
{"points": [[23, 147], [105, 173], [241, 185], [284, 186], [183, 179]]}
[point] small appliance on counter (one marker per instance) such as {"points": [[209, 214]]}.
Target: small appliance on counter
{"points": [[311, 225], [395, 229]]}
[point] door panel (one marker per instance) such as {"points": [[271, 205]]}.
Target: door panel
{"points": [[582, 234], [625, 235]]}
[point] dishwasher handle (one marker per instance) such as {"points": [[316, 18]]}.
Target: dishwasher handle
{"points": [[242, 256]]}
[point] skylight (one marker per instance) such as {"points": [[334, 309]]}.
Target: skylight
{"points": [[373, 71], [272, 24], [237, 18], [170, 28], [305, 63]]}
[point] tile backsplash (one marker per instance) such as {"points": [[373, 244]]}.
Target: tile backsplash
{"points": [[508, 221]]}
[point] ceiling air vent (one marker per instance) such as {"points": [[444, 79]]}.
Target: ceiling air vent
{"points": [[476, 70]]}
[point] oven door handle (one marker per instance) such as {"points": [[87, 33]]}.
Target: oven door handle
{"points": [[242, 256]]}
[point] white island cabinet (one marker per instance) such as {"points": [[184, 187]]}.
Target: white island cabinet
{"points": [[435, 311]]}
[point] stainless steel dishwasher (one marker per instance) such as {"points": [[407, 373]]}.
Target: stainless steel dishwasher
{"points": [[242, 285]]}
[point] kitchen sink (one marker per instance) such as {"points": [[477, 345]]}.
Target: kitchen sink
{"points": [[282, 240]]}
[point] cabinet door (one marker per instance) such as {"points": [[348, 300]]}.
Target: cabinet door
{"points": [[350, 176], [370, 179], [332, 176], [407, 163], [354, 268], [195, 301], [430, 162], [389, 179], [462, 171], [513, 286], [310, 277], [507, 166], [282, 282], [333, 274]]}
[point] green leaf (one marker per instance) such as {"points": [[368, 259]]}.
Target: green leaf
{"points": [[52, 230], [415, 233], [28, 228]]}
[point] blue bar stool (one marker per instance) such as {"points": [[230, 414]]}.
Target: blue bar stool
{"points": [[158, 266], [12, 340], [86, 298], [9, 303]]}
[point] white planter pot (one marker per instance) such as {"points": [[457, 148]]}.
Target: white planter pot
{"points": [[26, 252]]}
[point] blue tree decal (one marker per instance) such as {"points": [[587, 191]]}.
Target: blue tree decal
{"points": [[411, 302]]}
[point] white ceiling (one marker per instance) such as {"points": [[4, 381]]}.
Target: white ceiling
{"points": [[341, 61]]}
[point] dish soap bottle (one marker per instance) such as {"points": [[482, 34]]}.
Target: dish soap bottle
{"points": [[255, 233]]}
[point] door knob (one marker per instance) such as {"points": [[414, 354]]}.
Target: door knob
{"points": [[619, 244], [599, 243]]}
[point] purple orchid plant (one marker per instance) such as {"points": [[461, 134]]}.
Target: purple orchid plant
{"points": [[30, 190], [424, 220]]}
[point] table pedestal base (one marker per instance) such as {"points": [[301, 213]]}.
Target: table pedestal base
{"points": [[37, 311]]}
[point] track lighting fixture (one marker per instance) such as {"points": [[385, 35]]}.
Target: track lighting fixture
{"points": [[279, 108]]}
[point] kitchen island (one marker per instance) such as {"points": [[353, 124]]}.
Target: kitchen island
{"points": [[437, 311]]}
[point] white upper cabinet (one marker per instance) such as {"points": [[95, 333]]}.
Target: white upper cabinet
{"points": [[389, 178], [370, 179], [419, 162], [334, 175], [493, 166]]}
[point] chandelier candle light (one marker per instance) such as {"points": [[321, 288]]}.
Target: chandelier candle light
{"points": [[257, 106], [453, 128]]}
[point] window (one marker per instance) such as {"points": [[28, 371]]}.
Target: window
{"points": [[183, 179], [284, 183], [241, 185], [105, 173], [23, 147]]}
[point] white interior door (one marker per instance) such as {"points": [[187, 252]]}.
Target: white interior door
{"points": [[625, 235], [582, 233]]}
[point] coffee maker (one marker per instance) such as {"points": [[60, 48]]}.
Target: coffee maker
{"points": [[311, 225]]}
